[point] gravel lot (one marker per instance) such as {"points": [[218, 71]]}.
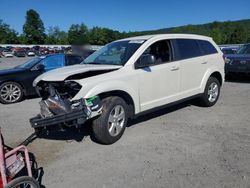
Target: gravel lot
{"points": [[182, 146]]}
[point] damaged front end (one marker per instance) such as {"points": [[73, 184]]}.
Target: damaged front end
{"points": [[58, 108]]}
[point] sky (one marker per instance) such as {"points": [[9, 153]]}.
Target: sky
{"points": [[124, 15]]}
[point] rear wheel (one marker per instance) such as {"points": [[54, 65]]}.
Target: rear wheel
{"points": [[211, 93], [23, 182], [111, 124], [10, 92]]}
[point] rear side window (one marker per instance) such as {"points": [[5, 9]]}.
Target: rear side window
{"points": [[53, 61], [206, 47], [187, 48], [73, 60]]}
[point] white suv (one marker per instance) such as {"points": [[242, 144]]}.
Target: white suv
{"points": [[128, 77]]}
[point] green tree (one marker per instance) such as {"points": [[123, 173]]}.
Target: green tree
{"points": [[56, 36], [217, 36], [7, 35], [101, 36], [96, 36], [62, 38], [33, 28], [22, 39], [78, 34], [239, 35]]}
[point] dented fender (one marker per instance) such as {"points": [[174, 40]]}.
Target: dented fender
{"points": [[109, 86]]}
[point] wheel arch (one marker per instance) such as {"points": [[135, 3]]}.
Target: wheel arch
{"points": [[211, 73], [218, 76], [124, 95], [112, 88]]}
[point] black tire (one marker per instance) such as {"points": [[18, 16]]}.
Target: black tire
{"points": [[205, 98], [5, 101], [21, 180], [101, 125]]}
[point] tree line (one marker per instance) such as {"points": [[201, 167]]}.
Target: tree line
{"points": [[229, 32]]}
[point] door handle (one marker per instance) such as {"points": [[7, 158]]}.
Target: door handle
{"points": [[205, 62], [174, 68]]}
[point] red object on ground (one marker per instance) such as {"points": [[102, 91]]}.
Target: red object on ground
{"points": [[1, 183]]}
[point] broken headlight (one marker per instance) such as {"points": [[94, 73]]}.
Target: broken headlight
{"points": [[67, 89]]}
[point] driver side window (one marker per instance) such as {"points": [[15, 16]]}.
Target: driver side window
{"points": [[161, 50]]}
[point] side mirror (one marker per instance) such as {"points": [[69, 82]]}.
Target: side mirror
{"points": [[40, 67], [145, 61]]}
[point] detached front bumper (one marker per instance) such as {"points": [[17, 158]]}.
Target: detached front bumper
{"points": [[77, 113], [78, 116]]}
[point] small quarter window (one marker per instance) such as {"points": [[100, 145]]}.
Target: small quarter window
{"points": [[73, 60], [206, 47]]}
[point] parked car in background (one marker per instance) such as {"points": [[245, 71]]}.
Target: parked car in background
{"points": [[238, 62], [17, 82], [7, 53], [19, 52], [229, 50], [88, 53], [43, 51], [30, 53], [128, 77], [1, 50]]}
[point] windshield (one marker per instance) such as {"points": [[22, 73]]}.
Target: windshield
{"points": [[115, 53], [245, 49], [29, 63]]}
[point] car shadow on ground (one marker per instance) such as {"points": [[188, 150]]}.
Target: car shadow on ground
{"points": [[155, 113], [238, 78], [79, 134], [31, 97], [67, 133]]}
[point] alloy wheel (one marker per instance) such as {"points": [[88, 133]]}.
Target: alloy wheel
{"points": [[116, 120], [10, 93], [213, 91]]}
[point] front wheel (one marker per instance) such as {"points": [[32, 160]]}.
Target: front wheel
{"points": [[25, 181], [111, 124], [211, 93], [10, 92]]}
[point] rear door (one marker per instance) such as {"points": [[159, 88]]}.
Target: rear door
{"points": [[193, 65]]}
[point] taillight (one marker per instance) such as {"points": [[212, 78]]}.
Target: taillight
{"points": [[226, 60]]}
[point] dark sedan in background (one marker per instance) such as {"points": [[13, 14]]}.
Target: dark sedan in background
{"points": [[238, 62], [16, 83], [229, 50]]}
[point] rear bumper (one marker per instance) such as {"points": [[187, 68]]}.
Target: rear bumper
{"points": [[39, 122]]}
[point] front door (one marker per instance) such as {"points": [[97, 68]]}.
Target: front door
{"points": [[159, 83]]}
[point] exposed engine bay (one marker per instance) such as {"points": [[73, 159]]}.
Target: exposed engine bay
{"points": [[57, 106]]}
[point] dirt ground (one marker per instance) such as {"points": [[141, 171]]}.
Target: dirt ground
{"points": [[181, 146]]}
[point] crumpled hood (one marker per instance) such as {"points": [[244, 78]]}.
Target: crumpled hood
{"points": [[62, 73]]}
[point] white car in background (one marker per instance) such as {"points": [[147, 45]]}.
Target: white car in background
{"points": [[7, 53], [31, 53], [128, 77]]}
